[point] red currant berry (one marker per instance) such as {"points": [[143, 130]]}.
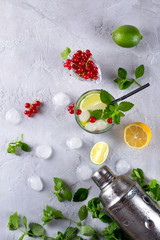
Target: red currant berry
{"points": [[81, 63], [31, 110], [68, 61], [33, 106], [26, 112], [80, 70], [29, 114], [91, 63], [76, 71], [88, 68], [35, 111], [109, 120], [87, 51], [95, 78], [79, 51], [37, 103], [27, 105], [83, 54], [86, 76], [78, 112], [95, 69], [89, 73], [69, 67], [71, 111], [92, 119], [69, 108]]}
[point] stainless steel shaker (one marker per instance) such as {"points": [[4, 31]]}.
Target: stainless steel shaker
{"points": [[128, 205]]}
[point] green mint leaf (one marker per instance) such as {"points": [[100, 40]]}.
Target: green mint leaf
{"points": [[127, 84], [117, 80], [94, 207], [78, 238], [104, 218], [107, 113], [65, 53], [105, 97], [67, 194], [116, 118], [125, 106], [97, 114], [80, 195], [25, 147], [122, 73], [70, 233], [87, 230], [25, 222], [79, 224], [153, 183], [58, 182], [121, 114], [21, 238], [49, 214], [36, 229], [112, 107], [138, 173], [60, 236], [83, 213], [156, 192], [139, 71], [14, 221]]}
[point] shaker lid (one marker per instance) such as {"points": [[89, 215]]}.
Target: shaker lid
{"points": [[103, 176]]}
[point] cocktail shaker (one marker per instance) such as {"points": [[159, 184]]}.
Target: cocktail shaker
{"points": [[125, 201]]}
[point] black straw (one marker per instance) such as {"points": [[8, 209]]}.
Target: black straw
{"points": [[131, 93]]}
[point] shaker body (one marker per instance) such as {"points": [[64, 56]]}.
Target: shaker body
{"points": [[131, 208]]}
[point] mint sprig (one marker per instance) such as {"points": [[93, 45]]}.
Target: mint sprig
{"points": [[124, 82], [65, 53], [61, 191], [114, 111], [19, 144]]}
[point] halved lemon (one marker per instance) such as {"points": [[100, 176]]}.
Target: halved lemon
{"points": [[92, 102], [99, 152], [137, 135]]}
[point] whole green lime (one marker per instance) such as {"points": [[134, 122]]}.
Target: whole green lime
{"points": [[127, 36]]}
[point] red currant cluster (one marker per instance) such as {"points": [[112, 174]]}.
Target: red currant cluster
{"points": [[82, 65], [71, 110], [32, 108]]}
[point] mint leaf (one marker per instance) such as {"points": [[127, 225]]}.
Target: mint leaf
{"points": [[87, 230], [139, 71], [97, 114], [83, 212], [36, 229], [105, 97], [65, 53], [116, 118], [95, 237], [126, 85], [58, 182], [80, 195], [94, 207], [122, 73], [14, 221], [49, 214], [25, 147], [70, 233], [104, 218], [67, 194], [125, 106], [25, 222], [153, 183], [117, 80]]}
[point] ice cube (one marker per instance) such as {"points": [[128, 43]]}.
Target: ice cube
{"points": [[43, 151], [61, 99], [84, 172], [101, 125], [91, 127], [74, 143], [122, 167], [13, 116], [84, 116], [35, 183]]}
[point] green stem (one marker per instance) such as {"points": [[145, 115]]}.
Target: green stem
{"points": [[70, 220], [89, 188], [21, 137], [137, 83], [21, 230]]}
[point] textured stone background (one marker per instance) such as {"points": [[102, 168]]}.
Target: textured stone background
{"points": [[32, 35]]}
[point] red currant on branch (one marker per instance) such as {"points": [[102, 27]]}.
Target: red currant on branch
{"points": [[32, 108], [71, 109]]}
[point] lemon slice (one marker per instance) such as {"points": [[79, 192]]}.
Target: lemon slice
{"points": [[137, 135], [92, 102], [99, 152]]}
